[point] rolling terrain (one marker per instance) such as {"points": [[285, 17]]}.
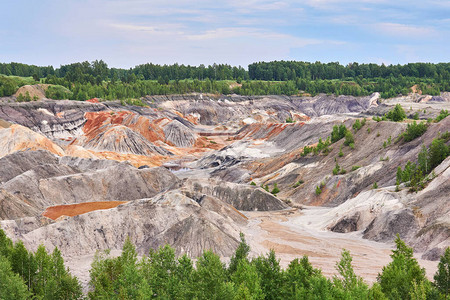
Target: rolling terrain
{"points": [[190, 171]]}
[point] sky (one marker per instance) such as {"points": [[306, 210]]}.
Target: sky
{"points": [[125, 33]]}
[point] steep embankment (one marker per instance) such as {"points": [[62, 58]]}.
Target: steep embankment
{"points": [[218, 146]]}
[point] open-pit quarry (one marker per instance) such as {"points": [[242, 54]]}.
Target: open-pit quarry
{"points": [[194, 171]]}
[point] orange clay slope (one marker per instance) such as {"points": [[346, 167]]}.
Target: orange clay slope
{"points": [[71, 210]]}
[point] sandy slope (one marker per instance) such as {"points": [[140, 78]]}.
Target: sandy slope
{"points": [[293, 233]]}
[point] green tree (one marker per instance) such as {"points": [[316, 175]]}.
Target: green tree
{"points": [[209, 279], [241, 253], [437, 152], [349, 139], [12, 286], [396, 114], [161, 269], [271, 275], [246, 278], [347, 281], [398, 277], [442, 276], [23, 263], [299, 278]]}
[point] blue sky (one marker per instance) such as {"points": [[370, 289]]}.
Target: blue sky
{"points": [[237, 32]]}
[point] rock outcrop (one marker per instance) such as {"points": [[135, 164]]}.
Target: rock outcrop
{"points": [[171, 218]]}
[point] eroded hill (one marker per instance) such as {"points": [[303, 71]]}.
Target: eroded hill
{"points": [[195, 170]]}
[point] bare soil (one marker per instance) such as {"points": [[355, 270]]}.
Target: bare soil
{"points": [[71, 210], [292, 236]]}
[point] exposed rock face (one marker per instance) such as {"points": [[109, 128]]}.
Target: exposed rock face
{"points": [[242, 197], [122, 140], [54, 119], [179, 134], [218, 145], [170, 218], [16, 137], [35, 185], [20, 162]]}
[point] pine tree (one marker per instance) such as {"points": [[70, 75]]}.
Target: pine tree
{"points": [[397, 278], [442, 276], [241, 253], [12, 286]]}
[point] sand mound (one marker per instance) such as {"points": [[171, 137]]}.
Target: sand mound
{"points": [[35, 91], [20, 138]]}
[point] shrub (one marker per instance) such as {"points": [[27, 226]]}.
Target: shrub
{"points": [[396, 114], [338, 133], [375, 185], [318, 190], [289, 120], [253, 183], [354, 168], [357, 125], [59, 92], [336, 169], [442, 115], [298, 183], [340, 154], [414, 131], [349, 139], [275, 189]]}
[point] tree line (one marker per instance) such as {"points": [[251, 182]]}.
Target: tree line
{"points": [[95, 79], [290, 70], [163, 275]]}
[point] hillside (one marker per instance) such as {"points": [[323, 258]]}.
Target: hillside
{"points": [[195, 170]]}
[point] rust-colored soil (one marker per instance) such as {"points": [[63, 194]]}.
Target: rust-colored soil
{"points": [[71, 210]]}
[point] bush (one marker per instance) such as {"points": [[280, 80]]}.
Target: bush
{"points": [[336, 169], [338, 133], [289, 120], [442, 115], [58, 92], [318, 190], [414, 131], [253, 183], [349, 139], [298, 183], [354, 168], [375, 185], [357, 125], [396, 114], [275, 189]]}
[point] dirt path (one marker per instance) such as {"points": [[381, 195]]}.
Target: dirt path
{"points": [[292, 234]]}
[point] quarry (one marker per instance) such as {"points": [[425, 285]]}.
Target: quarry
{"points": [[195, 170]]}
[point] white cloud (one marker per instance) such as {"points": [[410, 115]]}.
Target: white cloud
{"points": [[408, 31]]}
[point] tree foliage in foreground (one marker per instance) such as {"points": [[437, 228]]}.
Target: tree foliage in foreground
{"points": [[40, 275], [161, 275]]}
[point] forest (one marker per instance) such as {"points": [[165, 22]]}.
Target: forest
{"points": [[85, 80], [163, 275]]}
